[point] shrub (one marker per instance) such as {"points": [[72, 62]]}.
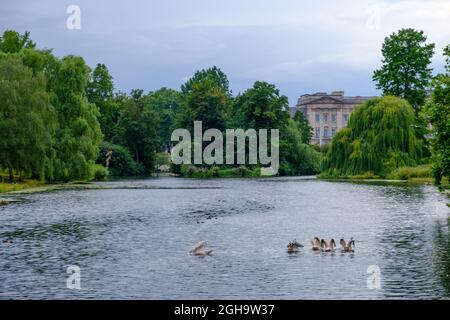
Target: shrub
{"points": [[121, 163], [405, 173], [100, 172]]}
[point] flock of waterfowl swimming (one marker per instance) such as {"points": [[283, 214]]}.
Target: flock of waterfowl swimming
{"points": [[323, 245], [317, 244]]}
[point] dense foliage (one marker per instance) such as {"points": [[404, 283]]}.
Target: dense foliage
{"points": [[379, 138], [61, 121], [406, 71], [120, 162], [27, 120], [438, 114]]}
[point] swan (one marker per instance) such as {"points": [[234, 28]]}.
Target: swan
{"points": [[327, 246], [316, 244], [200, 250], [347, 247], [293, 246]]}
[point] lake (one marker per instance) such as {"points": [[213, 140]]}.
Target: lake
{"points": [[132, 240]]}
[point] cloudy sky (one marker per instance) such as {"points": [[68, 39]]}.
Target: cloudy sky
{"points": [[301, 46]]}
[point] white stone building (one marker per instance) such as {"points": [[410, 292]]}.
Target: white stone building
{"points": [[326, 113]]}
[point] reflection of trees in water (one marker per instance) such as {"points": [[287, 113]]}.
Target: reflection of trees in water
{"points": [[405, 243], [442, 242]]}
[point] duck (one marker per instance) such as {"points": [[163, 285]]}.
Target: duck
{"points": [[316, 244], [293, 246], [200, 250], [347, 247], [327, 246]]}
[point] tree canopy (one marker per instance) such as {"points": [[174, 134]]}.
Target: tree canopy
{"points": [[379, 138], [215, 74], [405, 71], [438, 114], [12, 42], [100, 91], [27, 120]]}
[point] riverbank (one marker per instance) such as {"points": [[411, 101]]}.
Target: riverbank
{"points": [[8, 191], [25, 184]]}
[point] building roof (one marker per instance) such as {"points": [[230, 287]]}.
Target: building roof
{"points": [[337, 96]]}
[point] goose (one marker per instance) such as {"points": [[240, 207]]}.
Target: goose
{"points": [[316, 244], [293, 246], [347, 247], [200, 250], [327, 246]]}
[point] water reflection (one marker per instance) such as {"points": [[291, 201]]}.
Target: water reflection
{"points": [[442, 254]]}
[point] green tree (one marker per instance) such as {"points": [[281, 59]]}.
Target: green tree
{"points": [[406, 71], [27, 120], [12, 42], [306, 131], [78, 135], [215, 74], [206, 102], [438, 114], [167, 103], [137, 129], [121, 162], [296, 157], [100, 90], [261, 107], [379, 138]]}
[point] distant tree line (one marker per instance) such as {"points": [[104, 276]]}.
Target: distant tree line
{"points": [[60, 120]]}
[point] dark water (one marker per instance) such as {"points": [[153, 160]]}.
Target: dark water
{"points": [[132, 243]]}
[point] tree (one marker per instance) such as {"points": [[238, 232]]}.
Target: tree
{"points": [[217, 76], [306, 131], [207, 102], [137, 129], [167, 103], [438, 114], [261, 107], [100, 90], [27, 120], [379, 138], [12, 41], [405, 71], [296, 157], [121, 162], [78, 135]]}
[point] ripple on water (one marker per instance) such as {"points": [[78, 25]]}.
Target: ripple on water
{"points": [[134, 243]]}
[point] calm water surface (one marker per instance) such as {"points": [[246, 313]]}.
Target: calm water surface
{"points": [[134, 243]]}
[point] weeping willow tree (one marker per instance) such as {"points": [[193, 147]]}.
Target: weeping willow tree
{"points": [[379, 138]]}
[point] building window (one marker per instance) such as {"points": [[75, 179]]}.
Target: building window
{"points": [[345, 118], [333, 117], [325, 117], [333, 132], [317, 118], [325, 132], [317, 132]]}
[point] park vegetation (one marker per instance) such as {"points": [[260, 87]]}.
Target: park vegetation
{"points": [[406, 133], [61, 120]]}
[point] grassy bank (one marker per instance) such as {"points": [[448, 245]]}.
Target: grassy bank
{"points": [[190, 171], [419, 173], [20, 185]]}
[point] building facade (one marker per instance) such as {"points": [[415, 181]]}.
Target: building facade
{"points": [[326, 113]]}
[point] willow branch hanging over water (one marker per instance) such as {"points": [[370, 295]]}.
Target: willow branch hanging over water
{"points": [[379, 138]]}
